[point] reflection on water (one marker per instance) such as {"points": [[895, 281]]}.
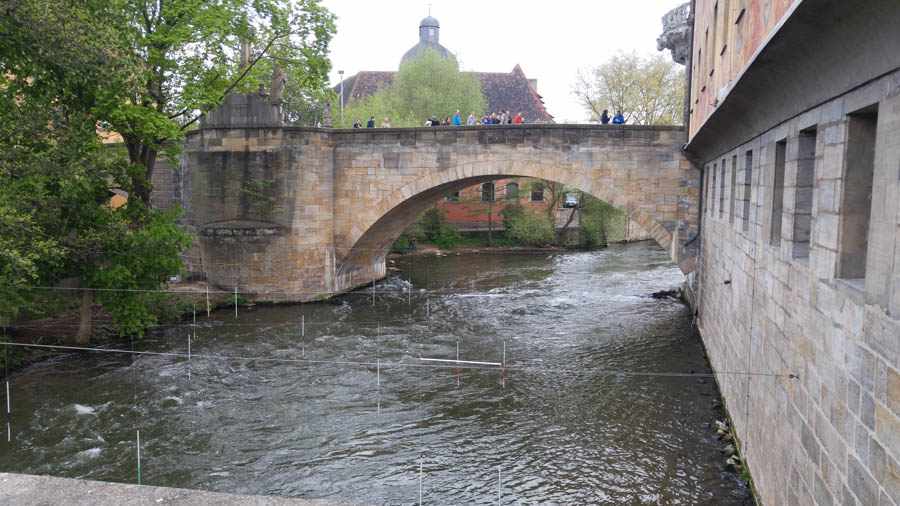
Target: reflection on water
{"points": [[564, 427]]}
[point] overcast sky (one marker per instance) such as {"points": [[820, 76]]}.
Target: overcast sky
{"points": [[551, 40]]}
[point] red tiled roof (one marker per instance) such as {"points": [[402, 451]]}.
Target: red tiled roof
{"points": [[365, 83], [509, 92], [512, 92]]}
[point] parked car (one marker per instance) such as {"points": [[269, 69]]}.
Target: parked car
{"points": [[571, 200]]}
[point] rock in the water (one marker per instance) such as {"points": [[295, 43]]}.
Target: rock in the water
{"points": [[731, 465], [674, 293]]}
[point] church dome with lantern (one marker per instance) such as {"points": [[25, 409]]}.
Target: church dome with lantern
{"points": [[429, 38]]}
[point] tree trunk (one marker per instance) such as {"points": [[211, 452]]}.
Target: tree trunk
{"points": [[575, 209], [84, 323], [143, 155]]}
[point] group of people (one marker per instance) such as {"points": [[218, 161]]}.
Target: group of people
{"points": [[618, 119], [371, 123], [501, 118]]}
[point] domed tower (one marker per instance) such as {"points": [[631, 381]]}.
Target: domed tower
{"points": [[429, 37], [429, 30]]}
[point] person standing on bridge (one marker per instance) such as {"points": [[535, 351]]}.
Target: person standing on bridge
{"points": [[358, 124], [386, 123], [456, 120], [519, 119], [471, 120], [604, 118], [371, 122], [618, 119]]}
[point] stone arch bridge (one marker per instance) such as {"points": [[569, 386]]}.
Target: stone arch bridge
{"points": [[295, 213]]}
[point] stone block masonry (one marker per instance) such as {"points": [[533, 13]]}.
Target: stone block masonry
{"points": [[298, 213], [832, 435]]}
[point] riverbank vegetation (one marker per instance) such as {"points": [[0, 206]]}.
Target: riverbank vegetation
{"points": [[599, 224]]}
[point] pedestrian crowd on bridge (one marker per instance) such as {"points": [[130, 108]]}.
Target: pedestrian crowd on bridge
{"points": [[496, 118]]}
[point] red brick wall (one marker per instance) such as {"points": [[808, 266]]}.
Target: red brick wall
{"points": [[471, 210]]}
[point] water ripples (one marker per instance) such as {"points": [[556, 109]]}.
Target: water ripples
{"points": [[565, 429]]}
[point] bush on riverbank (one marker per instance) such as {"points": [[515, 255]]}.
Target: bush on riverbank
{"points": [[437, 231], [601, 222], [529, 228]]}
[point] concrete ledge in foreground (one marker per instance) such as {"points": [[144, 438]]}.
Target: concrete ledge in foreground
{"points": [[29, 490]]}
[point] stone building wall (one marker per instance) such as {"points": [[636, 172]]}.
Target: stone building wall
{"points": [[795, 279]]}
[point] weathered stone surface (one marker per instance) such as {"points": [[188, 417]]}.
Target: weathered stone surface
{"points": [[28, 490], [840, 335], [676, 35], [294, 213]]}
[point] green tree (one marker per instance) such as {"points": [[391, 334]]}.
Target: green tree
{"points": [[167, 63], [600, 221], [648, 90], [56, 178], [425, 86], [437, 230], [485, 203], [146, 70], [510, 214]]}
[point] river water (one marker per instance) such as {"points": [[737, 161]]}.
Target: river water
{"points": [[294, 409]]}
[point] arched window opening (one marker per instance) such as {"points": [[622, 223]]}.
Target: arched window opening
{"points": [[511, 192], [487, 192], [537, 192]]}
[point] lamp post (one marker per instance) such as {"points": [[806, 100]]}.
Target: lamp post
{"points": [[341, 73]]}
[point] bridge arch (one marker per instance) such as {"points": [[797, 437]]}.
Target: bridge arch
{"points": [[300, 213], [367, 243]]}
